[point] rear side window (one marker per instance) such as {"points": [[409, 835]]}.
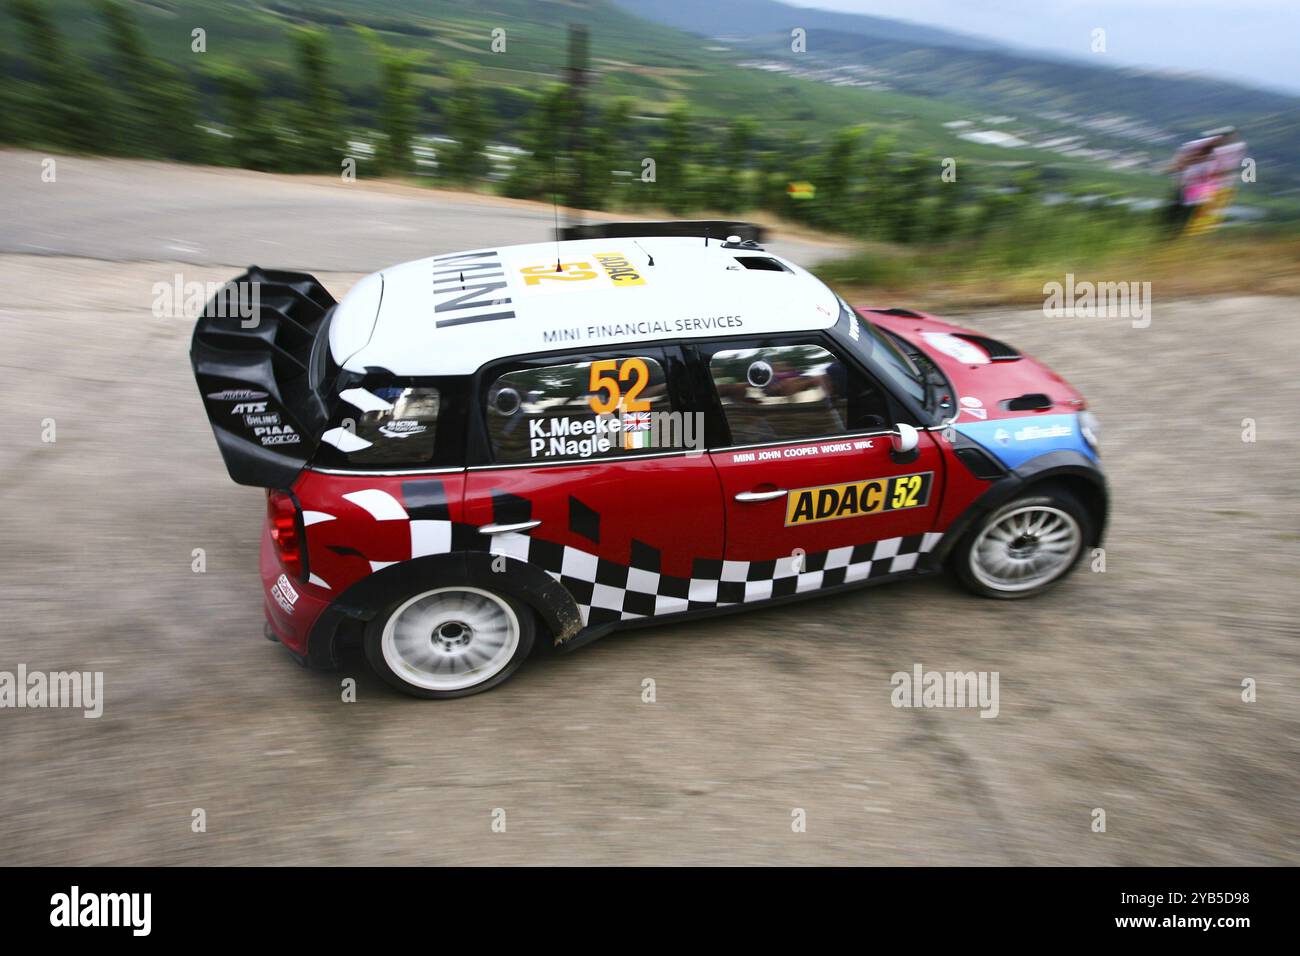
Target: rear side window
{"points": [[790, 392], [396, 424], [591, 409]]}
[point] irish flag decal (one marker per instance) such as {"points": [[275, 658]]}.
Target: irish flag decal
{"points": [[636, 429]]}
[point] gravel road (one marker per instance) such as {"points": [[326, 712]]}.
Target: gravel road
{"points": [[1119, 690]]}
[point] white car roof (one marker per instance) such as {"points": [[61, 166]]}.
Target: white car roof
{"points": [[449, 314]]}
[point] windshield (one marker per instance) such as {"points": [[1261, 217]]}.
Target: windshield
{"points": [[882, 353]]}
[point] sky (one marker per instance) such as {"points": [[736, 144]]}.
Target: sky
{"points": [[1257, 41]]}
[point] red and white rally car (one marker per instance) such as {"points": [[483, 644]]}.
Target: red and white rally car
{"points": [[562, 439]]}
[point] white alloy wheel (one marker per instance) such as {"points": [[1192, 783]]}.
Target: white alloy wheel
{"points": [[1025, 548], [450, 639]]}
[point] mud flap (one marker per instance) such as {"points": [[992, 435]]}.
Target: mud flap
{"points": [[251, 352]]}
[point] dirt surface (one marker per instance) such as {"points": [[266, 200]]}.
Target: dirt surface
{"points": [[1118, 690]]}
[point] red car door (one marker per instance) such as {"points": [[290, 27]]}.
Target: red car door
{"points": [[812, 492], [599, 478]]}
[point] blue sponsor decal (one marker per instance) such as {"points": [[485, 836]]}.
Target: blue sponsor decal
{"points": [[1015, 441]]}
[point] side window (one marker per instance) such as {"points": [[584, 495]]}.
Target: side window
{"points": [[788, 392], [385, 425], [601, 408]]}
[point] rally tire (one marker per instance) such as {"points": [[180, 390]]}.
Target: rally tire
{"points": [[449, 641], [1025, 547]]}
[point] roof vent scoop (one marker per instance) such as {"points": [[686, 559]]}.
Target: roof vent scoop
{"points": [[998, 351], [760, 263], [1028, 402]]}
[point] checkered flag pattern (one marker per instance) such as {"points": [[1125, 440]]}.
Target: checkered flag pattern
{"points": [[607, 591]]}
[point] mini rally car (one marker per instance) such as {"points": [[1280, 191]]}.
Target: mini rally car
{"points": [[475, 451]]}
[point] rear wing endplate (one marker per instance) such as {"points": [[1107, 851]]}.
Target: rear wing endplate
{"points": [[252, 350]]}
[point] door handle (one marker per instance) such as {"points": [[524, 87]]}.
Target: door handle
{"points": [[760, 495], [507, 528]]}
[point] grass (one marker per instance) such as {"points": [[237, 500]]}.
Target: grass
{"points": [[973, 275]]}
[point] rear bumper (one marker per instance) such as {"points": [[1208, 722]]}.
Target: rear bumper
{"points": [[290, 609]]}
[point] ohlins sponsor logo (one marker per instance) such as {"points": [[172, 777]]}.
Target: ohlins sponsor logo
{"points": [[469, 288], [618, 269], [868, 497]]}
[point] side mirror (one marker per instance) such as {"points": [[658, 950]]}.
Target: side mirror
{"points": [[904, 439]]}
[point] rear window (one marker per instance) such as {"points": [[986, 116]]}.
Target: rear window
{"points": [[592, 409]]}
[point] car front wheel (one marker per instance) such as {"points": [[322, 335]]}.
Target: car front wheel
{"points": [[1024, 547], [449, 641]]}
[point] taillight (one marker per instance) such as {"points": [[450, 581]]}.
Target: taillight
{"points": [[286, 532]]}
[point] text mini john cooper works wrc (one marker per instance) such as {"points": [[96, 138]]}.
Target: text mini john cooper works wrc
{"points": [[476, 451]]}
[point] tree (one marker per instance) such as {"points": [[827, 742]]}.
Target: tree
{"points": [[69, 109], [835, 206], [397, 108], [771, 182], [467, 124], [914, 177], [132, 109], [178, 111], [735, 194], [321, 139], [672, 160], [546, 165], [606, 150], [945, 211], [255, 142], [878, 203], [156, 107]]}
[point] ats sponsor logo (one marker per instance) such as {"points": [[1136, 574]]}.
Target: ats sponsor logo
{"points": [[857, 498]]}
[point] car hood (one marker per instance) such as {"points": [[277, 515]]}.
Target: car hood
{"points": [[991, 379]]}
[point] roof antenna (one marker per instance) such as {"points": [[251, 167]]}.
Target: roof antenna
{"points": [[642, 248], [555, 206], [706, 237]]}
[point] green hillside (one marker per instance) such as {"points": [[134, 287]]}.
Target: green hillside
{"points": [[650, 64]]}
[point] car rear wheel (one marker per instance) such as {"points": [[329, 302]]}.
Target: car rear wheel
{"points": [[1024, 547], [449, 641]]}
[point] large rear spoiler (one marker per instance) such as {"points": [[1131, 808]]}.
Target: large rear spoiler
{"points": [[718, 229], [251, 352]]}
